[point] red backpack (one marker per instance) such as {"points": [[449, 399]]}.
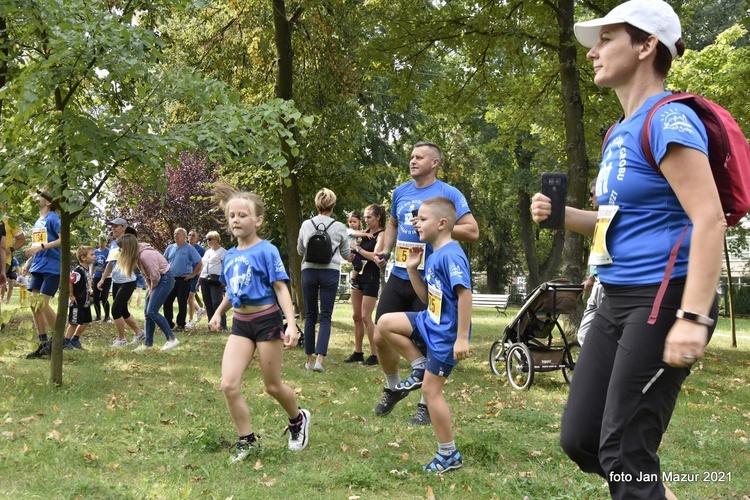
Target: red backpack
{"points": [[728, 155]]}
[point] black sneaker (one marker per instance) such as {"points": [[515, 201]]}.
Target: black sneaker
{"points": [[76, 344], [356, 357], [67, 345], [422, 417], [371, 360], [44, 349], [388, 403]]}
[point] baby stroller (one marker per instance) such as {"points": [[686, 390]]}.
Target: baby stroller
{"points": [[526, 345]]}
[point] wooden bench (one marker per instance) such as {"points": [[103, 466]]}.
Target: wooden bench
{"points": [[499, 302]]}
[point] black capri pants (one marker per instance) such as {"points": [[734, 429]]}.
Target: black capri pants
{"points": [[623, 394], [122, 293]]}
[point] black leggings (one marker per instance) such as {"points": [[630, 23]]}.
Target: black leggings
{"points": [[623, 394], [101, 296], [122, 293], [398, 296]]}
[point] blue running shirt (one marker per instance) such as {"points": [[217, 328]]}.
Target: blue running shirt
{"points": [[250, 274]]}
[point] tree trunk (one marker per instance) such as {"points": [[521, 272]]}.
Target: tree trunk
{"points": [[56, 358], [290, 193], [575, 144]]}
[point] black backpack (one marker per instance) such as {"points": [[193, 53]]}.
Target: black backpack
{"points": [[319, 246]]}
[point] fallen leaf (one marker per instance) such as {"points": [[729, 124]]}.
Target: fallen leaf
{"points": [[404, 457], [54, 435], [344, 447], [429, 494], [267, 481], [8, 434], [258, 465], [27, 419], [394, 445], [364, 453], [90, 457], [57, 422]]}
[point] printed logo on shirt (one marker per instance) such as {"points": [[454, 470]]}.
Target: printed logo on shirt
{"points": [[455, 270], [673, 119], [239, 278], [279, 267]]}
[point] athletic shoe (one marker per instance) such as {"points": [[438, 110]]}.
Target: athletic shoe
{"points": [[98, 318], [412, 383], [388, 403], [138, 338], [371, 360], [298, 434], [67, 346], [44, 349], [119, 342], [77, 344], [422, 417], [356, 357], [169, 344], [178, 328], [318, 368], [190, 324], [244, 448], [107, 320], [443, 463], [309, 366], [143, 347], [200, 314]]}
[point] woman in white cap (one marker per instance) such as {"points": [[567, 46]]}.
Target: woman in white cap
{"points": [[631, 368]]}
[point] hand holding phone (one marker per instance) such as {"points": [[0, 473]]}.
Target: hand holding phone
{"points": [[555, 187]]}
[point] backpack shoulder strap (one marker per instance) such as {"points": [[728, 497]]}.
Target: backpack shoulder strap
{"points": [[329, 225]]}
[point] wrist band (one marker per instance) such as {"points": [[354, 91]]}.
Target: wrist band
{"points": [[42, 246], [695, 318]]}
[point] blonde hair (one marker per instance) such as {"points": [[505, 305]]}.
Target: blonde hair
{"points": [[213, 234], [325, 200], [83, 251], [129, 253], [223, 193], [442, 207]]}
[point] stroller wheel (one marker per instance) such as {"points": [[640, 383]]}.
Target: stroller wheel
{"points": [[570, 359], [497, 356], [519, 366]]}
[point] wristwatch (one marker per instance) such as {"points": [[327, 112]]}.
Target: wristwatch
{"points": [[695, 318]]}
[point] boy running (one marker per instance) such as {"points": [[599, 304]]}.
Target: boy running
{"points": [[79, 315], [445, 327]]}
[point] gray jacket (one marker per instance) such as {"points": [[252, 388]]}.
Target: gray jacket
{"points": [[339, 240]]}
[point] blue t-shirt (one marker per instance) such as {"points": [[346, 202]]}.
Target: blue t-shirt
{"points": [[250, 274], [46, 230], [182, 259], [445, 270], [101, 261], [650, 218], [201, 251], [408, 197]]}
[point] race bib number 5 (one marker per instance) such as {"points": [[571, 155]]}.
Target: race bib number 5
{"points": [[402, 253], [434, 303]]}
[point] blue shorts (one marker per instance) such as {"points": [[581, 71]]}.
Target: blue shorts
{"points": [[194, 284], [433, 365], [47, 284]]}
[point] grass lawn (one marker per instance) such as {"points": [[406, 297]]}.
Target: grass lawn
{"points": [[154, 425]]}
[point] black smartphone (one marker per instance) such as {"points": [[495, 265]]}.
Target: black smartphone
{"points": [[555, 187]]}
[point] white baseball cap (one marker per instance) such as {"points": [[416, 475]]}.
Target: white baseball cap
{"points": [[655, 17]]}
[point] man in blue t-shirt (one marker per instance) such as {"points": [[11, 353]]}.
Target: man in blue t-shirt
{"points": [[398, 295], [193, 305], [186, 263]]}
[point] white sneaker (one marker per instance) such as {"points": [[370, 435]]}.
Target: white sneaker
{"points": [[119, 342], [201, 312], [137, 339], [143, 347], [298, 435], [190, 324], [170, 344]]}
